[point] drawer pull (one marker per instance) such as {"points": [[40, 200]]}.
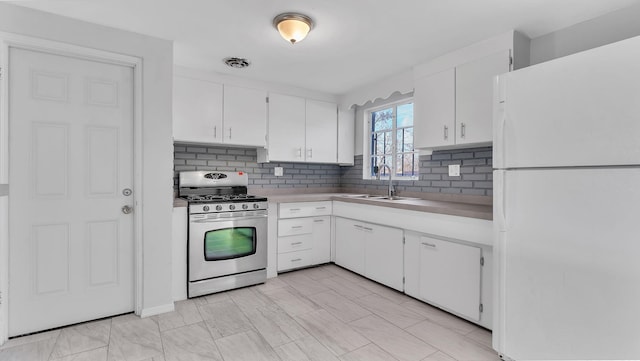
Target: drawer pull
{"points": [[294, 209], [296, 260], [368, 229], [357, 226], [321, 207], [296, 227], [295, 243], [318, 220], [429, 244]]}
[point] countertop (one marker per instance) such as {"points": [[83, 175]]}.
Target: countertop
{"points": [[455, 205]]}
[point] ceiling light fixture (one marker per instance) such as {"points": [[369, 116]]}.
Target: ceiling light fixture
{"points": [[293, 26]]}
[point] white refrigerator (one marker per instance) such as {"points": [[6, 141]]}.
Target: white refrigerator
{"points": [[567, 207]]}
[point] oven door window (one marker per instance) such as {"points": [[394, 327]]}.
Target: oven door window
{"points": [[229, 243]]}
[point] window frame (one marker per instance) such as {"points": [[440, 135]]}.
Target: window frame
{"points": [[367, 140]]}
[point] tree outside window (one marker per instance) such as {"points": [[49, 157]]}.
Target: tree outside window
{"points": [[391, 141]]}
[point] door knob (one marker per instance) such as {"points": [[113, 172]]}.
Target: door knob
{"points": [[127, 209]]}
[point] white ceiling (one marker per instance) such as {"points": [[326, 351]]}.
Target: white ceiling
{"points": [[353, 43]]}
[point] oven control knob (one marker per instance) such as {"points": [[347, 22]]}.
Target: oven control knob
{"points": [[218, 208], [232, 207], [205, 208], [256, 206], [245, 206]]}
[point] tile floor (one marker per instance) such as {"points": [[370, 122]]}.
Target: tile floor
{"points": [[319, 314]]}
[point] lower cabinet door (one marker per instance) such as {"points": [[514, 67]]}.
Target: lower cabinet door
{"points": [[384, 255], [350, 244], [322, 239], [450, 276]]}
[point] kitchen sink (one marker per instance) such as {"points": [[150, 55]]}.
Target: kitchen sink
{"points": [[379, 197]]}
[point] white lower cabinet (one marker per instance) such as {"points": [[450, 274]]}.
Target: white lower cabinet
{"points": [[444, 273], [372, 250], [304, 234]]}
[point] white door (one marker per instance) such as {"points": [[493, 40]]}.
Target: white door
{"points": [[245, 116], [435, 110], [579, 110], [450, 276], [474, 97], [383, 255], [571, 280], [197, 111], [286, 127], [321, 132], [71, 246], [350, 244]]}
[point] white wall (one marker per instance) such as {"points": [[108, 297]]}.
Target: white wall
{"points": [[615, 26], [157, 174]]}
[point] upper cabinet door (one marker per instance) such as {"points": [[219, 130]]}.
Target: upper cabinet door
{"points": [[286, 128], [434, 102], [321, 132], [474, 97], [245, 116], [346, 136], [197, 110]]}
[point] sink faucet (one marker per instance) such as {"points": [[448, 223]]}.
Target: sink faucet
{"points": [[391, 192]]}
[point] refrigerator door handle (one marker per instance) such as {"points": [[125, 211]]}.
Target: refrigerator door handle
{"points": [[499, 121], [499, 211]]}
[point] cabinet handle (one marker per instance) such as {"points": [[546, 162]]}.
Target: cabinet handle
{"points": [[368, 229], [300, 152], [357, 226], [429, 244], [215, 131], [463, 129], [310, 152], [229, 132], [318, 220], [296, 227], [446, 132], [296, 243], [296, 260], [321, 207], [294, 209]]}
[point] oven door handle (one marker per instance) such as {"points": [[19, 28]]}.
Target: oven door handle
{"points": [[227, 219]]}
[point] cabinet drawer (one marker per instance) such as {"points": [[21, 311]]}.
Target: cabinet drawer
{"points": [[291, 227], [295, 243], [305, 209], [291, 260]]}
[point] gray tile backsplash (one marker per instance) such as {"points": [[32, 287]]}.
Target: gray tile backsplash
{"points": [[475, 170]]}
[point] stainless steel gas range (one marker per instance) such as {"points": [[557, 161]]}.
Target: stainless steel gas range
{"points": [[227, 243]]}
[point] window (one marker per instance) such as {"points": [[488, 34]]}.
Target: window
{"points": [[391, 141]]}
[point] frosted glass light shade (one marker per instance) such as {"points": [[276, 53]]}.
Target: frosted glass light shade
{"points": [[293, 27]]}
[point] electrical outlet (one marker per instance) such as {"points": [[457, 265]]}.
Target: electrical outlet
{"points": [[454, 170], [278, 171]]}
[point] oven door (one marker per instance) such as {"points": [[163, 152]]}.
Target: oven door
{"points": [[221, 246]]}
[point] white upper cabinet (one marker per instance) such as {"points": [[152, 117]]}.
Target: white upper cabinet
{"points": [[474, 97], [321, 132], [207, 112], [434, 103], [454, 93], [346, 136], [245, 116], [197, 110], [286, 127], [301, 130]]}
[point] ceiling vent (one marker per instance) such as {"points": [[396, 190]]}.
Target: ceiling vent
{"points": [[237, 63]]}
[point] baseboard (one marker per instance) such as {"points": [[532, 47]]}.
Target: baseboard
{"points": [[152, 311]]}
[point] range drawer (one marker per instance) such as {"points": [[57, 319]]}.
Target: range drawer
{"points": [[292, 227], [295, 243], [305, 209], [291, 260]]}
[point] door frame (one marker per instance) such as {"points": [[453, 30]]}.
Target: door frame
{"points": [[10, 40]]}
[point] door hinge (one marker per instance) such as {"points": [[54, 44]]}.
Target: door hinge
{"points": [[404, 240], [481, 308], [402, 280], [482, 261]]}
